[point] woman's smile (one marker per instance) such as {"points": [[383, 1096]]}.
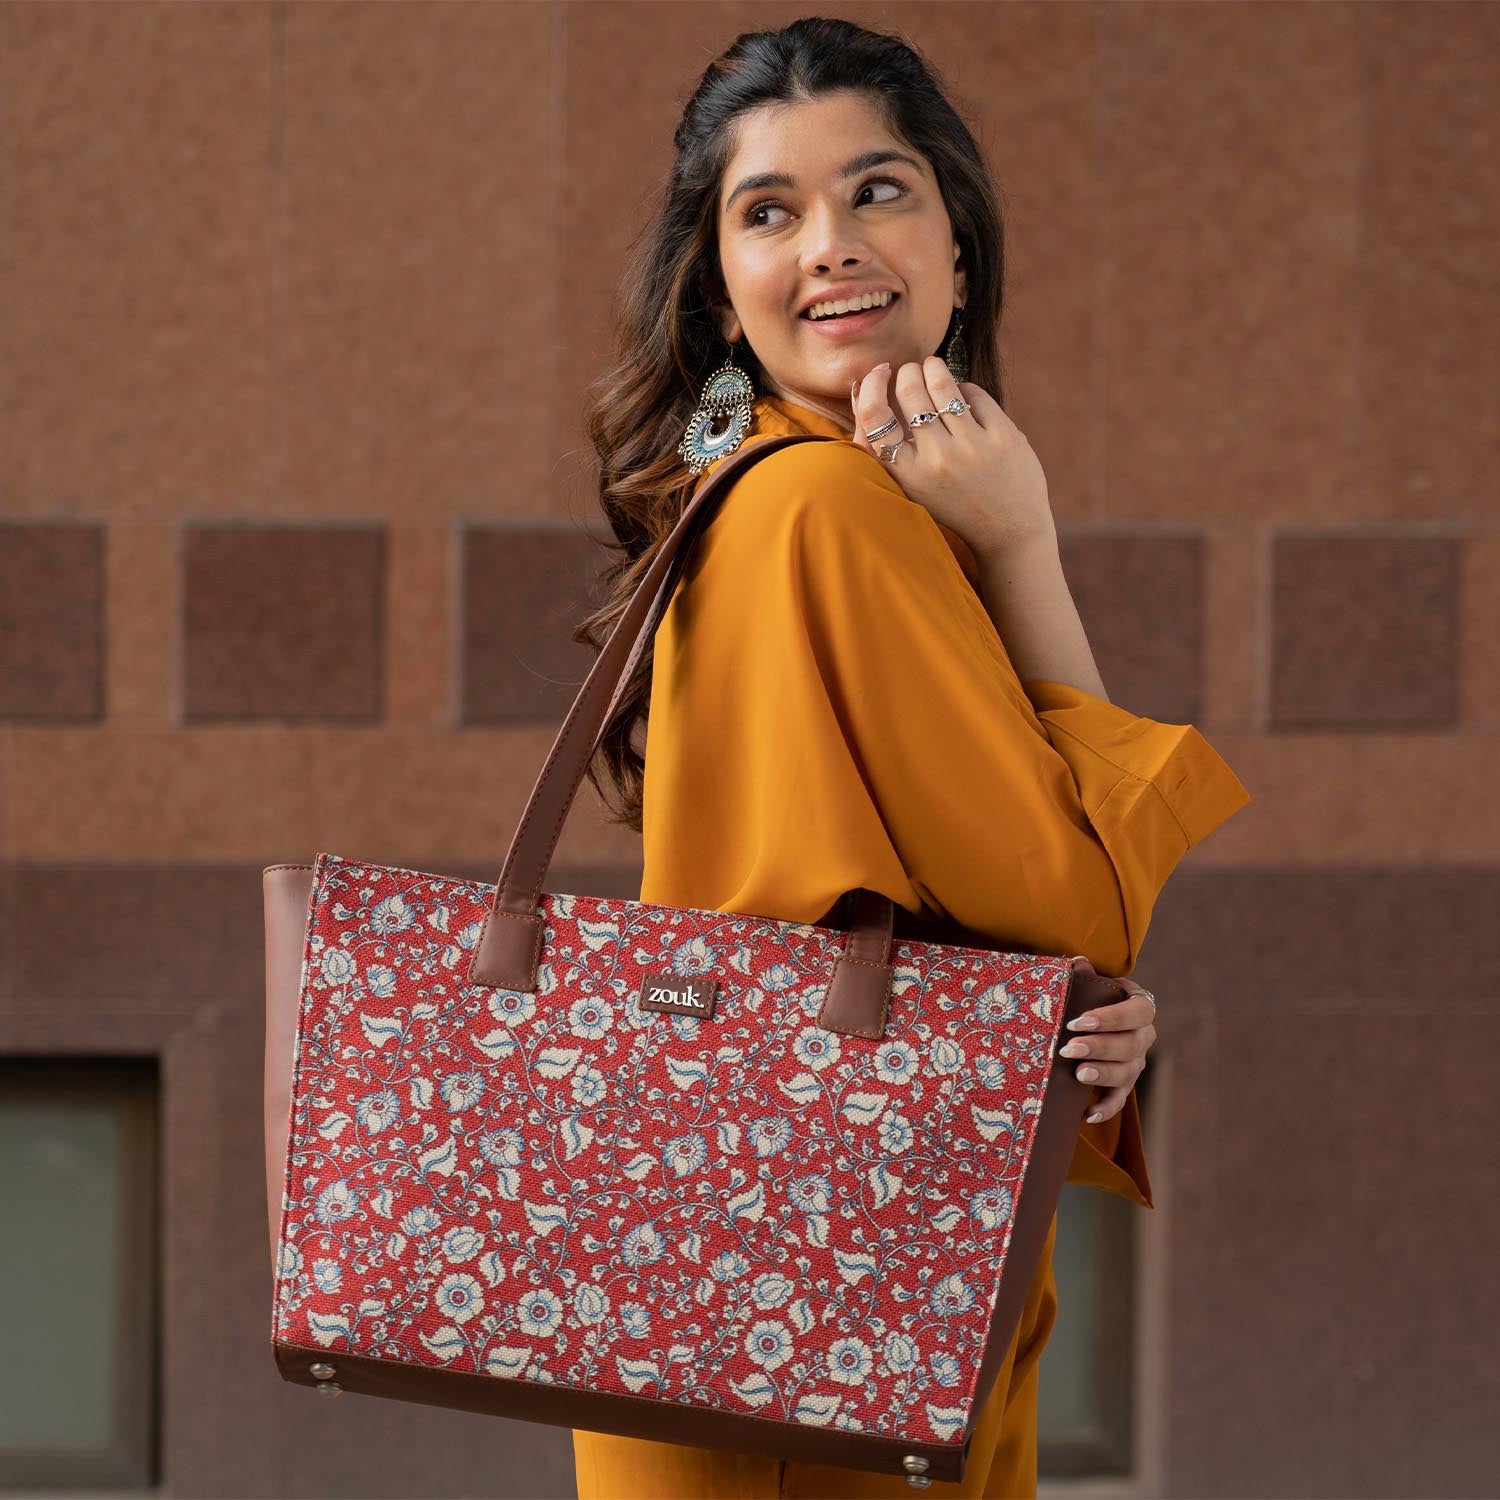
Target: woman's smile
{"points": [[850, 325]]}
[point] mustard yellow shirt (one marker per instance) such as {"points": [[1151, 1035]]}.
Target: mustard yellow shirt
{"points": [[832, 706]]}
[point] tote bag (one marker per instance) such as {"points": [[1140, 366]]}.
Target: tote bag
{"points": [[698, 1176]]}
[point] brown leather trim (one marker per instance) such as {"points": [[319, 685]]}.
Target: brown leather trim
{"points": [[1064, 1105], [285, 892], [625, 1415]]}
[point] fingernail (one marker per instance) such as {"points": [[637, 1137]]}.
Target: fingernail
{"points": [[1088, 1075], [1084, 1023], [885, 364], [1094, 1119]]}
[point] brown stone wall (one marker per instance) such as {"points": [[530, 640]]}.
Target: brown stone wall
{"points": [[297, 302]]}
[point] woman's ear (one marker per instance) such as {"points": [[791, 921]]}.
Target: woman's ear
{"points": [[960, 280]]}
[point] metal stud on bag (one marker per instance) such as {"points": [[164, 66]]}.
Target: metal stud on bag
{"points": [[916, 1471], [321, 1371], [722, 418]]}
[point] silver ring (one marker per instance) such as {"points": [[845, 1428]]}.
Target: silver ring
{"points": [[922, 418], [881, 431], [888, 451], [957, 407], [1152, 998]]}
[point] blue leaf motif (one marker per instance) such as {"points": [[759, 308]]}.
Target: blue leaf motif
{"points": [[503, 1361], [801, 1087], [864, 1109], [946, 1421], [545, 1217], [447, 1343], [556, 1062], [443, 1158], [754, 1390], [815, 1410], [751, 1204], [328, 1327], [598, 936], [884, 1185], [637, 1374], [381, 1029], [687, 1071], [852, 1266]]}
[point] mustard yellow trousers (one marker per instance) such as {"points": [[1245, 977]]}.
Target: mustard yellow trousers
{"points": [[1002, 1456]]}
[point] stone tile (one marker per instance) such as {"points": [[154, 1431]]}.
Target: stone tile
{"points": [[1418, 1345], [1287, 943], [1478, 663], [1364, 632], [136, 305], [141, 624], [1141, 602], [1429, 288], [1259, 1326], [1228, 341], [1235, 636], [111, 939], [265, 794], [420, 160], [51, 621], [524, 592], [422, 570], [283, 623]]}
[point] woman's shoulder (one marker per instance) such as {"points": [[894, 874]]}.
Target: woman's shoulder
{"points": [[835, 485]]}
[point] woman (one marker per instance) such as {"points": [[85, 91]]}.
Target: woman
{"points": [[871, 672]]}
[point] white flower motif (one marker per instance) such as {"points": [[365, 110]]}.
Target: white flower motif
{"points": [[642, 1245], [336, 967], [539, 1312], [590, 1017], [771, 1289], [422, 1219], [327, 1276], [895, 1062], [462, 1242], [380, 981], [850, 1360], [816, 1048], [459, 1296], [769, 1343], [591, 1304], [900, 1352], [462, 1089], [391, 915], [991, 1206], [336, 1203], [951, 1296], [514, 1007]]}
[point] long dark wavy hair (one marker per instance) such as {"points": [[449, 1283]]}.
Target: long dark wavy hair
{"points": [[668, 341]]}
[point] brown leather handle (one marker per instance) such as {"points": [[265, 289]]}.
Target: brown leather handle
{"points": [[510, 942]]}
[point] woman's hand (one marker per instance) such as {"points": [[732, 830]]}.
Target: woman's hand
{"points": [[976, 473], [1116, 1049]]}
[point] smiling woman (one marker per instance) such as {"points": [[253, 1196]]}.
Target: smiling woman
{"points": [[829, 702]]}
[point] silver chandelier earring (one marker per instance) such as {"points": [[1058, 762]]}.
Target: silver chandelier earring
{"points": [[955, 355], [722, 418]]}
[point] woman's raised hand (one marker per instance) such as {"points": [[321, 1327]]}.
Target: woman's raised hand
{"points": [[976, 473]]}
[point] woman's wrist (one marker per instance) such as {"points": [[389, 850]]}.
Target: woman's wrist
{"points": [[1026, 594]]}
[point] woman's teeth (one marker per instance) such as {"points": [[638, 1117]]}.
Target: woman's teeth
{"points": [[853, 304]]}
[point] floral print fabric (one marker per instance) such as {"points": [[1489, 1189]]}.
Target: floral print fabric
{"points": [[746, 1212]]}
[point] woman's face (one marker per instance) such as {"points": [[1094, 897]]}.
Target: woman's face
{"points": [[818, 234]]}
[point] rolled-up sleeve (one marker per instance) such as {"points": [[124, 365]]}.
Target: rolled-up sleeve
{"points": [[832, 707]]}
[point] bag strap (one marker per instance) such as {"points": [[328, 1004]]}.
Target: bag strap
{"points": [[508, 952]]}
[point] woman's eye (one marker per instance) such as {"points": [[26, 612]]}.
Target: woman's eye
{"points": [[768, 203]]}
